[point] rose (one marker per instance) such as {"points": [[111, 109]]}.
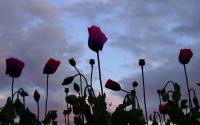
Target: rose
{"points": [[163, 108], [96, 38], [14, 67], [185, 56], [51, 66], [110, 84]]}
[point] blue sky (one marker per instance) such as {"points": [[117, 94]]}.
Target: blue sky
{"points": [[36, 30]]}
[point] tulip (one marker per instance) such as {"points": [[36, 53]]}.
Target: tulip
{"points": [[110, 84], [14, 69], [92, 62], [185, 56], [96, 38], [51, 66]]}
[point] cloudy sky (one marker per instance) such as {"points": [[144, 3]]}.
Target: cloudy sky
{"points": [[35, 30]]}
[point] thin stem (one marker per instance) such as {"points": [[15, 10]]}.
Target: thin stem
{"points": [[188, 88], [81, 86], [91, 75], [145, 106], [125, 91], [12, 88], [68, 119], [24, 102], [38, 111], [65, 120], [99, 72], [47, 87], [82, 76]]}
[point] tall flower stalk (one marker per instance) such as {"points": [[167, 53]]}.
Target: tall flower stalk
{"points": [[99, 69], [92, 62], [50, 68], [47, 93], [142, 63], [184, 58], [188, 88], [14, 69], [96, 42]]}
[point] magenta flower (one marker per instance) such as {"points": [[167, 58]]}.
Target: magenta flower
{"points": [[14, 67], [96, 38]]}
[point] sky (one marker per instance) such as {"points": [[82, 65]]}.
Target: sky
{"points": [[34, 31]]}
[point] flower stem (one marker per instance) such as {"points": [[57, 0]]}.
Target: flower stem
{"points": [[47, 87], [91, 75], [38, 111], [99, 73], [188, 88], [24, 102], [145, 106], [81, 86], [12, 88]]}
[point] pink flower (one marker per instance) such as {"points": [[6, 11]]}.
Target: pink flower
{"points": [[96, 38], [14, 67], [185, 56]]}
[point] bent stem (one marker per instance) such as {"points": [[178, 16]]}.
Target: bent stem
{"points": [[46, 95], [99, 73], [81, 86], [188, 88], [145, 106], [12, 88]]}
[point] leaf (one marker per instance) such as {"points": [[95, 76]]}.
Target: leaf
{"points": [[76, 87], [68, 80], [36, 96]]}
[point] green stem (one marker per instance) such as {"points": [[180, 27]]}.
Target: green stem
{"points": [[188, 88], [99, 73], [145, 106], [24, 103], [38, 111], [91, 75], [81, 86], [12, 88], [47, 87]]}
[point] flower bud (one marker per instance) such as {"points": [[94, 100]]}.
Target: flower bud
{"points": [[72, 62], [141, 62], [92, 61]]}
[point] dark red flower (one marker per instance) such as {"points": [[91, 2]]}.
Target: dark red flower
{"points": [[163, 108], [14, 67], [185, 56], [96, 38], [110, 84], [51, 66]]}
